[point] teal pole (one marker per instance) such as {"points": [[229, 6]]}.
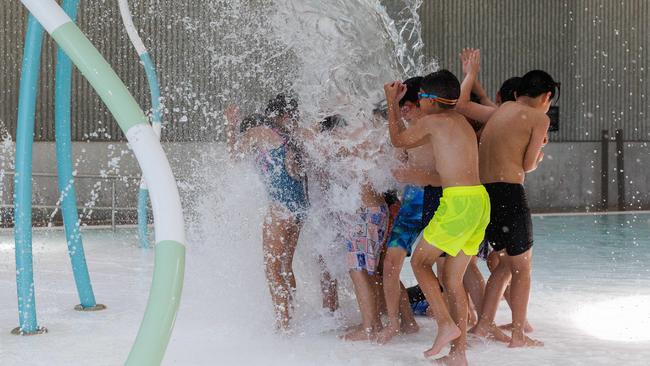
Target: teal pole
{"points": [[62, 120], [23, 179]]}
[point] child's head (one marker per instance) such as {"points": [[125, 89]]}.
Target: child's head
{"points": [[282, 109], [253, 120], [538, 84], [331, 123], [439, 92], [409, 104], [507, 90]]}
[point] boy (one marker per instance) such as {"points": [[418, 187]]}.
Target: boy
{"points": [[419, 172], [511, 146], [458, 226]]}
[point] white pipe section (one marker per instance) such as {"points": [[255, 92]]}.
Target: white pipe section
{"points": [[164, 193], [127, 19], [48, 13]]}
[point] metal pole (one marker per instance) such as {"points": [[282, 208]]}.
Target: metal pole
{"points": [[604, 170], [620, 169], [62, 120], [23, 179], [113, 204]]}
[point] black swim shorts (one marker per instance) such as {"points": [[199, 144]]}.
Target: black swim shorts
{"points": [[511, 224]]}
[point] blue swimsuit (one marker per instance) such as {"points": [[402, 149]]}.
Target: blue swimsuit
{"points": [[280, 185]]}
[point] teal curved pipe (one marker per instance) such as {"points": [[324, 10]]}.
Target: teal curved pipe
{"points": [[62, 120], [156, 119], [23, 178]]}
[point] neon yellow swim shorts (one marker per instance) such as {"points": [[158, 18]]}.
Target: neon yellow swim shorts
{"points": [[460, 221]]}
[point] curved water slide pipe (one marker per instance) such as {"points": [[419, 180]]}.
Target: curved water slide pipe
{"points": [[164, 297], [156, 119], [62, 121], [23, 179]]}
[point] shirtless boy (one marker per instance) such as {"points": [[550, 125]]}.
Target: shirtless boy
{"points": [[511, 146], [419, 172], [458, 227]]}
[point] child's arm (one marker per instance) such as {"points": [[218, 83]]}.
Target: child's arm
{"points": [[538, 138], [232, 125], [471, 60], [484, 99], [400, 136]]}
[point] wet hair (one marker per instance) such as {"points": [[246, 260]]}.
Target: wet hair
{"points": [[413, 86], [536, 83], [330, 123], [444, 84], [391, 197], [253, 120], [281, 105], [508, 88], [381, 109]]}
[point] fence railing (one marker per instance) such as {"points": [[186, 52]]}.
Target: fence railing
{"points": [[113, 179]]}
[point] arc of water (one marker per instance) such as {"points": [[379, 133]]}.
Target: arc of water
{"points": [[62, 121], [23, 179], [156, 118], [167, 283]]}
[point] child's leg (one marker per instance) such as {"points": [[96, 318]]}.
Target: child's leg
{"points": [[274, 248], [291, 242], [474, 284], [493, 292], [328, 287], [520, 293], [367, 305], [455, 268], [424, 256], [408, 325], [393, 262]]}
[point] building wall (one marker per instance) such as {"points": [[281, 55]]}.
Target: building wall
{"points": [[597, 49]]}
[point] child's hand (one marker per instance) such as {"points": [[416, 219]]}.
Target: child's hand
{"points": [[395, 91], [471, 60], [231, 113]]}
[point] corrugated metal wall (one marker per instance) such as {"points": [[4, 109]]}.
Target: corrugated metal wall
{"points": [[597, 49], [202, 52]]}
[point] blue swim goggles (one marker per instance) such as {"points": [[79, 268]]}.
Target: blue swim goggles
{"points": [[422, 95]]}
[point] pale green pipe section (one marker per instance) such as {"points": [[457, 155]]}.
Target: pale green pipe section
{"points": [[101, 76], [164, 299]]}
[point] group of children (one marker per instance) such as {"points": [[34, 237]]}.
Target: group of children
{"points": [[464, 164]]}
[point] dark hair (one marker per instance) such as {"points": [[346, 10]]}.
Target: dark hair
{"points": [[391, 197], [536, 83], [444, 84], [282, 105], [253, 120], [413, 86], [508, 88], [329, 123], [381, 109]]}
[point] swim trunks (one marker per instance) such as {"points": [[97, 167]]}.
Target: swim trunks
{"points": [[432, 196], [511, 225], [408, 224], [364, 238], [460, 221], [417, 300]]}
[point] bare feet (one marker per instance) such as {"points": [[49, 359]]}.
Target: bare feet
{"points": [[446, 334], [361, 334], [491, 332], [458, 359], [387, 334], [524, 341], [527, 327]]}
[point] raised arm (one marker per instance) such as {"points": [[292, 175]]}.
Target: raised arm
{"points": [[538, 138], [400, 136], [232, 126], [471, 61]]}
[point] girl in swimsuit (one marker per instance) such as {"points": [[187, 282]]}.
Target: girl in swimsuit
{"points": [[278, 157]]}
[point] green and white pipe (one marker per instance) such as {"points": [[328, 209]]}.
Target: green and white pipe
{"points": [[156, 119], [164, 297]]}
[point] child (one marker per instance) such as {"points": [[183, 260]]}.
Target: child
{"points": [[458, 226], [511, 146]]}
